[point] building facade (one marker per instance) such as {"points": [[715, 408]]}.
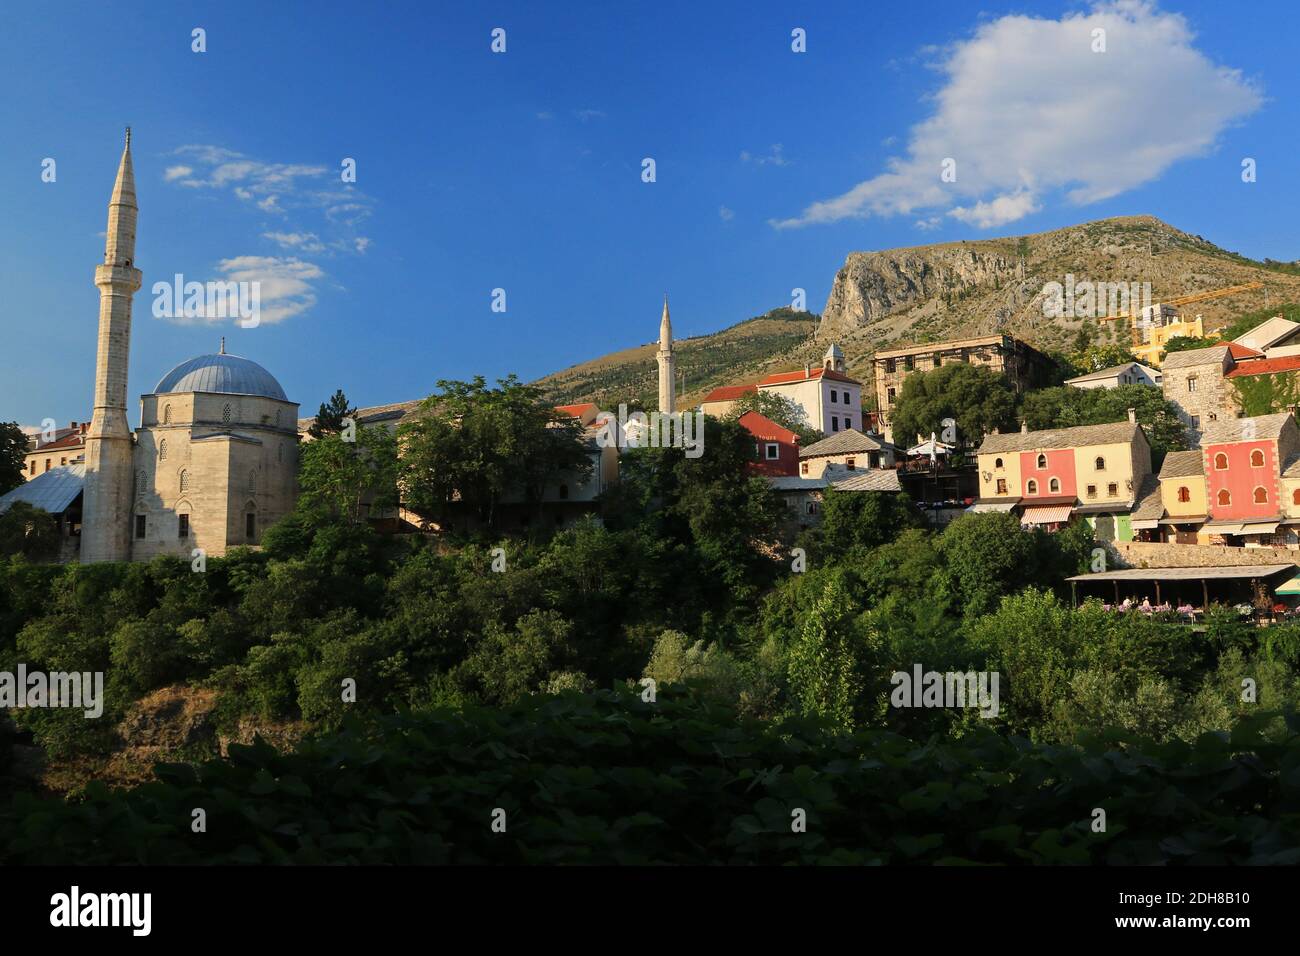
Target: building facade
{"points": [[830, 398]]}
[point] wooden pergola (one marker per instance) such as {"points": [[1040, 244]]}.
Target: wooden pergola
{"points": [[1254, 573]]}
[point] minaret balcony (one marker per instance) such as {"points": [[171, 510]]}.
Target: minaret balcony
{"points": [[117, 276]]}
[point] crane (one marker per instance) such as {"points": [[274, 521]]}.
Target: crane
{"points": [[1195, 297]]}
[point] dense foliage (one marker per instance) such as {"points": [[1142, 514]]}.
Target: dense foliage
{"points": [[13, 454]]}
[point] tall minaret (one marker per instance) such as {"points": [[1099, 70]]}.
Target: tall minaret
{"points": [[106, 504], [667, 383]]}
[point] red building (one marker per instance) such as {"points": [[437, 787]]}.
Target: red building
{"points": [[1243, 466], [1048, 474], [777, 448]]}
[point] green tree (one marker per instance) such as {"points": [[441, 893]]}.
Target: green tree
{"points": [[988, 555], [343, 481], [823, 675], [978, 399], [1065, 407], [329, 419], [1096, 357], [779, 408], [862, 520], [470, 445], [29, 531], [13, 452]]}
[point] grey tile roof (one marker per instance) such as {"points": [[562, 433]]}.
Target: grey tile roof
{"points": [[1236, 429], [842, 443], [875, 479], [1212, 356], [1110, 433], [53, 490], [1150, 507], [224, 374], [796, 483], [1183, 464]]}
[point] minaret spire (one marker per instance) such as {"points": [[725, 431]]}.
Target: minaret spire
{"points": [[110, 453], [667, 380]]}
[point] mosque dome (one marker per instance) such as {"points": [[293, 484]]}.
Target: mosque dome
{"points": [[222, 374]]}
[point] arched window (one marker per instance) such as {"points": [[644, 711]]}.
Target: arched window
{"points": [[162, 450], [1099, 464], [1042, 461], [225, 415], [1261, 496], [997, 462], [1220, 462], [140, 480], [185, 481], [1031, 487], [252, 481], [1054, 486], [564, 491], [167, 414], [1256, 459], [277, 418], [1225, 499], [1184, 494]]}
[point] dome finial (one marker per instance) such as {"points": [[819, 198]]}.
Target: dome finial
{"points": [[128, 137], [223, 346]]}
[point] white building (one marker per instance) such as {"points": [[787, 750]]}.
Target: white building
{"points": [[831, 400], [1130, 373]]}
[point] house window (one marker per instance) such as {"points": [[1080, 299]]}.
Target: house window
{"points": [[835, 397], [139, 526], [811, 507], [938, 361], [252, 481], [1112, 490], [835, 423], [1099, 464], [47, 464], [1054, 486], [890, 366], [773, 451], [890, 395], [1092, 491], [1191, 383], [1002, 486], [1256, 459], [873, 459], [250, 526], [851, 464], [1225, 499], [564, 492], [1185, 494], [183, 526], [997, 462], [32, 469], [1261, 496], [1220, 462], [1196, 421], [1042, 461], [803, 467], [1031, 487], [62, 462], [909, 363]]}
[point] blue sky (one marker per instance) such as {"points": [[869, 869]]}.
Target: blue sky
{"points": [[523, 170]]}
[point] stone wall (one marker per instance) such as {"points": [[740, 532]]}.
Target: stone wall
{"points": [[1144, 554]]}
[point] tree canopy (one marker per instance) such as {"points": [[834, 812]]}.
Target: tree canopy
{"points": [[977, 399], [13, 454]]}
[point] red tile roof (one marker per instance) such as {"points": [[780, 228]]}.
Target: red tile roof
{"points": [[1239, 352], [577, 411], [762, 427], [729, 393], [1288, 363], [785, 378]]}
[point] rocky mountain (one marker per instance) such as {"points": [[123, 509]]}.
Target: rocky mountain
{"points": [[951, 290]]}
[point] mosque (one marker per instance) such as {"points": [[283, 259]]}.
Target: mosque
{"points": [[214, 461]]}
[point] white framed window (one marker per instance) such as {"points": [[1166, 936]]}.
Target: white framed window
{"points": [[773, 451]]}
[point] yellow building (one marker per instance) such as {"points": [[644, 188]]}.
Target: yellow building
{"points": [[1157, 331], [1183, 497]]}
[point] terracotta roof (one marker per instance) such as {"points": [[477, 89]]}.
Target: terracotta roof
{"points": [[728, 393], [762, 427], [1079, 435], [786, 378], [1268, 366], [1237, 429], [73, 440], [578, 410], [1239, 351], [1184, 464], [846, 442]]}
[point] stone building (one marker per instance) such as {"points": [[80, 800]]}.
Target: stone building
{"points": [[1024, 367], [214, 461], [1196, 382], [66, 446]]}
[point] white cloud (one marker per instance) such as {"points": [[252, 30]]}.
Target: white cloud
{"points": [[586, 115], [1027, 108], [361, 243], [726, 214], [173, 173], [774, 157], [283, 289], [300, 241]]}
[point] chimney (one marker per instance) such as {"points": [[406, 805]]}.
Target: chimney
{"points": [[807, 370], [74, 426], [996, 431], [1133, 415], [1024, 427]]}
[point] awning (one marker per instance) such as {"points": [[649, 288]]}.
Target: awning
{"points": [[980, 507], [1147, 525], [1046, 514], [1181, 519], [1234, 572], [1261, 527], [1289, 587], [1225, 527]]}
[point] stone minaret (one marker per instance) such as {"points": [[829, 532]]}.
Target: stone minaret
{"points": [[106, 505], [667, 383]]}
